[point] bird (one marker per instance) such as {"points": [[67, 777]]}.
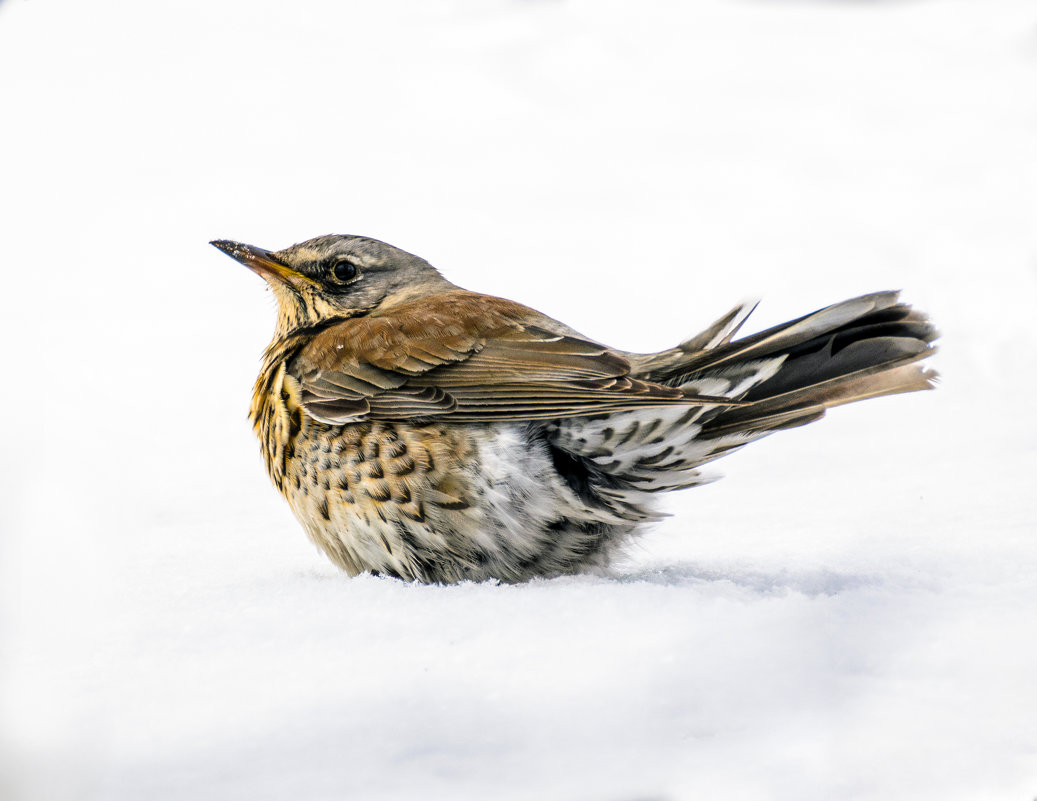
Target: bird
{"points": [[437, 435]]}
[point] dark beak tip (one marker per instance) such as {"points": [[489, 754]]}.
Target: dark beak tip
{"points": [[246, 254], [256, 259], [225, 245]]}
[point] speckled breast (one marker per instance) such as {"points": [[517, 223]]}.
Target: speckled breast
{"points": [[435, 502]]}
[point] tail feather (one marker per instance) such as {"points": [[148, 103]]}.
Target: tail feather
{"points": [[861, 348], [810, 329], [653, 366]]}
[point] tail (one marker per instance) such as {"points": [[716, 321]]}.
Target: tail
{"points": [[784, 377], [862, 348]]}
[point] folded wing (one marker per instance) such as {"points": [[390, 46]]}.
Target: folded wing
{"points": [[465, 357]]}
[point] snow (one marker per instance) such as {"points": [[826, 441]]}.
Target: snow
{"points": [[850, 613]]}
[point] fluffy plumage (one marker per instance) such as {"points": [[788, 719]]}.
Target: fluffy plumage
{"points": [[431, 433]]}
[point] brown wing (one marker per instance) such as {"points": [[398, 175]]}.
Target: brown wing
{"points": [[465, 357]]}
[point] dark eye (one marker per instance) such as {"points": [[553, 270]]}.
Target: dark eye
{"points": [[344, 271]]}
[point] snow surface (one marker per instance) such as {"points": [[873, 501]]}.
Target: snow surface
{"points": [[851, 613]]}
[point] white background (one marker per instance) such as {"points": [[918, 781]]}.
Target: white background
{"points": [[851, 613]]}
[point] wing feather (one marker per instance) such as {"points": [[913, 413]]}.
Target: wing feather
{"points": [[465, 357]]}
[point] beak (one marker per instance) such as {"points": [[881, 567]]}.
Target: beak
{"points": [[260, 261]]}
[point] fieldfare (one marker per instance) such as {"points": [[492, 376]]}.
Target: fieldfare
{"points": [[423, 431]]}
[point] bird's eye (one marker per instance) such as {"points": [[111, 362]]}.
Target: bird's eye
{"points": [[344, 271]]}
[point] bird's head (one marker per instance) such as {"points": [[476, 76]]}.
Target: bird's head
{"points": [[336, 277]]}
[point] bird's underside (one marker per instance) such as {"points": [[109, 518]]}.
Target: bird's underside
{"points": [[457, 436]]}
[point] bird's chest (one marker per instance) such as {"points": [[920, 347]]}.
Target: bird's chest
{"points": [[367, 492], [433, 501]]}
